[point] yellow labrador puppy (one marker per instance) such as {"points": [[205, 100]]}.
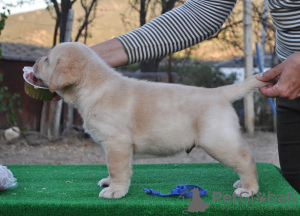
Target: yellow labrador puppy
{"points": [[132, 117]]}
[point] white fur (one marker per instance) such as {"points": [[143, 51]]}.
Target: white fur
{"points": [[129, 116]]}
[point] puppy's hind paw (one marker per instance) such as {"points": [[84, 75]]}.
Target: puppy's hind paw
{"points": [[104, 182], [113, 193]]}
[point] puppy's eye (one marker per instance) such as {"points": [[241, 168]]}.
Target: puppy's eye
{"points": [[46, 60]]}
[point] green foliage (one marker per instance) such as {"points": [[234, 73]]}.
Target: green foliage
{"points": [[129, 68], [197, 73], [3, 17], [193, 73], [10, 104]]}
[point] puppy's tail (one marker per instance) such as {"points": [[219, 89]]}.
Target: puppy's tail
{"points": [[238, 90]]}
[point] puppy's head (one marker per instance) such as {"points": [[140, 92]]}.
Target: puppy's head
{"points": [[63, 66]]}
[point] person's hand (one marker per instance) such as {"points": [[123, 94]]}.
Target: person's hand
{"points": [[286, 79]]}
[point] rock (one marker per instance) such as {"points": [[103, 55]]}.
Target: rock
{"points": [[11, 133]]}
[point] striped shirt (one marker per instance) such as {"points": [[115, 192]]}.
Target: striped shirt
{"points": [[286, 18], [198, 20]]}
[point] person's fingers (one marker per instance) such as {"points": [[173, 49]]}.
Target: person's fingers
{"points": [[286, 79], [270, 75], [294, 95], [278, 90], [56, 97], [270, 90]]}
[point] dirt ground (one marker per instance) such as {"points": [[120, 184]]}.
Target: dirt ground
{"points": [[76, 149]]}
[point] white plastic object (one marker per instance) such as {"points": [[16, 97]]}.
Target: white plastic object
{"points": [[7, 180]]}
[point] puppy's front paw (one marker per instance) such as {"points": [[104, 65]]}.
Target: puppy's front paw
{"points": [[113, 192], [242, 192], [237, 184], [104, 182]]}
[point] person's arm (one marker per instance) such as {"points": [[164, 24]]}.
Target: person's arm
{"points": [[286, 77], [112, 52], [185, 26]]}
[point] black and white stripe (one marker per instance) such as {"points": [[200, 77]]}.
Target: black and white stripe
{"points": [[286, 18], [189, 24], [197, 20]]}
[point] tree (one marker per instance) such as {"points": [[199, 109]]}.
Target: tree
{"points": [[248, 55], [61, 16], [60, 13], [87, 19], [148, 8], [230, 36], [3, 16], [152, 65], [52, 111]]}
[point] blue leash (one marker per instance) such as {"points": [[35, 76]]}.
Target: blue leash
{"points": [[181, 190]]}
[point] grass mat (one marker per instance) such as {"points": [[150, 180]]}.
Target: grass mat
{"points": [[73, 190]]}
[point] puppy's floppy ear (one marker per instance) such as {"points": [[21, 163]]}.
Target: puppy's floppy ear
{"points": [[61, 77]]}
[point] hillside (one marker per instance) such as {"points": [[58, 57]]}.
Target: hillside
{"points": [[37, 28]]}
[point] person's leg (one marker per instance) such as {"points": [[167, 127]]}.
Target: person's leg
{"points": [[288, 134]]}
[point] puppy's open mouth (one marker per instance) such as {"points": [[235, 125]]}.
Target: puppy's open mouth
{"points": [[34, 87], [33, 77]]}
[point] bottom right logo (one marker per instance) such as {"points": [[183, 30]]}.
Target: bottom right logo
{"points": [[198, 205]]}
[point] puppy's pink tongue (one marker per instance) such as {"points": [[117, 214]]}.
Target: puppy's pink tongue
{"points": [[33, 77]]}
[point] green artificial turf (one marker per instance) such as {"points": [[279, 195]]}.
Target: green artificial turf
{"points": [[73, 190]]}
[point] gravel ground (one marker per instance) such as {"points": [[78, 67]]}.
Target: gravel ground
{"points": [[75, 149]]}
